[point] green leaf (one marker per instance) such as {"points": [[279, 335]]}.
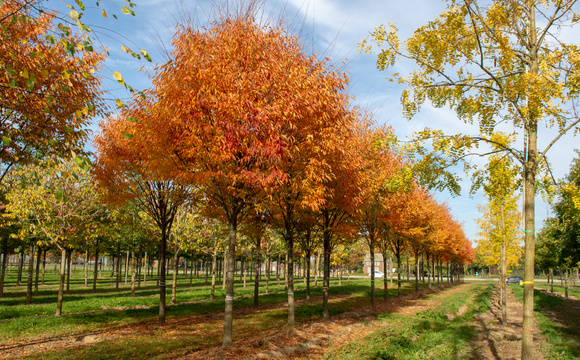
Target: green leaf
{"points": [[132, 118], [126, 136], [58, 194], [52, 142], [79, 161], [6, 140]]}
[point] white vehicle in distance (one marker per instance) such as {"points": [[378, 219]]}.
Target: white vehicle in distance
{"points": [[378, 274]]}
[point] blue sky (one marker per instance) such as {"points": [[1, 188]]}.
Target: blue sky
{"points": [[332, 28]]}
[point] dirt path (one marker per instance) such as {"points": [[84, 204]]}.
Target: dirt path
{"points": [[311, 340], [495, 341]]}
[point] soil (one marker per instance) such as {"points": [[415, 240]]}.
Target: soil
{"points": [[495, 341], [312, 339]]}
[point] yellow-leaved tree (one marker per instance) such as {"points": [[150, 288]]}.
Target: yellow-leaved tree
{"points": [[496, 63]]}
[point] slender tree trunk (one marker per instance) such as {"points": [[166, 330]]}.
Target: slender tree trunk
{"points": [[398, 273], [146, 262], [567, 274], [95, 272], [385, 279], [225, 265], [326, 274], [69, 270], [308, 275], [3, 269], [174, 282], [86, 268], [286, 272], [20, 266], [391, 269], [30, 272], [530, 168], [127, 268], [213, 273], [267, 272], [408, 267], [118, 273], [257, 272], [229, 308], [278, 270], [59, 298], [316, 268], [417, 261], [551, 280], [191, 270], [206, 269], [38, 255], [162, 275], [43, 265], [372, 256], [133, 271]]}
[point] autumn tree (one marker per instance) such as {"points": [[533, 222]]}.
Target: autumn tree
{"points": [[125, 172], [229, 131], [494, 62], [49, 89], [55, 199], [499, 227]]}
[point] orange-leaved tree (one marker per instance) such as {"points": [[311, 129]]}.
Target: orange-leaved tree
{"points": [[49, 90], [229, 108], [127, 171]]}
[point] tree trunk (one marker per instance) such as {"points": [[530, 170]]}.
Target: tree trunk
{"points": [[133, 271], [566, 283], [162, 275], [118, 272], [3, 268], [69, 270], [417, 262], [308, 275], [278, 270], [206, 270], [290, 277], [398, 274], [174, 282], [551, 280], [229, 308], [59, 298], [286, 273], [213, 273], [257, 272], [43, 265], [326, 274], [316, 268], [385, 279], [372, 270], [225, 269], [30, 272], [267, 272], [95, 274], [20, 265], [38, 256], [127, 268], [146, 269]]}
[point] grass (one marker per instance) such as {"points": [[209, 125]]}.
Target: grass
{"points": [[559, 321], [160, 343], [427, 335], [83, 309], [558, 288]]}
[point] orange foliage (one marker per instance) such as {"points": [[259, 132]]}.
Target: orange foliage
{"points": [[47, 89]]}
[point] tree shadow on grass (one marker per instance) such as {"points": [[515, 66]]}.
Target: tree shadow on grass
{"points": [[563, 329]]}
